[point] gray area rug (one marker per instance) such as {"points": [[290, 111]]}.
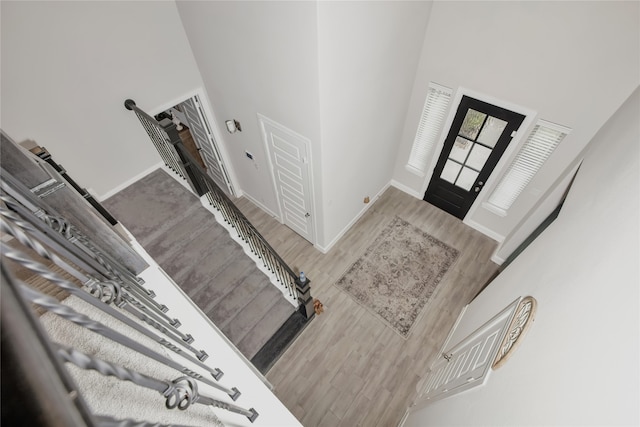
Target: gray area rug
{"points": [[398, 273]]}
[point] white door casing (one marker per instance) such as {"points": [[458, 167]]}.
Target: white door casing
{"points": [[289, 159], [203, 137], [468, 363]]}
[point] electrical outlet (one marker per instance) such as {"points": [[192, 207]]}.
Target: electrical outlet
{"points": [[249, 155]]}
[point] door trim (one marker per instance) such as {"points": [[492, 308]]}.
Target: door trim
{"points": [[507, 156], [265, 120], [210, 118]]}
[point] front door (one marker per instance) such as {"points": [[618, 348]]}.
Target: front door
{"points": [[479, 135]]}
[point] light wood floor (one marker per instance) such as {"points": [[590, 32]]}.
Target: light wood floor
{"points": [[347, 368]]}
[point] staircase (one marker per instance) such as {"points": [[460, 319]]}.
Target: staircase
{"points": [[200, 256], [106, 276]]}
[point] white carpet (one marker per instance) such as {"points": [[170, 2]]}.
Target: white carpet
{"points": [[111, 396]]}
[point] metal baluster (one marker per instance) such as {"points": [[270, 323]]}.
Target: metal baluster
{"points": [[58, 281], [180, 393], [159, 142], [14, 225], [130, 282], [52, 305], [230, 213], [45, 233], [65, 237], [120, 274]]}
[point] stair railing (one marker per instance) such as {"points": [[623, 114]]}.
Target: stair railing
{"points": [[167, 141], [111, 298]]}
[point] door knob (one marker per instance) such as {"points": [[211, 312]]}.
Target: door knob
{"points": [[307, 215], [477, 189]]}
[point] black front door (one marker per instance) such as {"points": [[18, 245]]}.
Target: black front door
{"points": [[478, 136]]}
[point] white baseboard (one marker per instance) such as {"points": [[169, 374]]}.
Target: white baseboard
{"points": [[484, 230], [497, 259], [128, 182], [260, 205], [404, 418], [406, 189], [325, 249]]}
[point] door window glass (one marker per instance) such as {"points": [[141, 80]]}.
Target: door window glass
{"points": [[450, 171], [491, 131], [472, 123], [467, 178], [478, 157], [471, 149], [460, 150]]}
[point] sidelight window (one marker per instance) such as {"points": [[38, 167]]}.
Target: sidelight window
{"points": [[542, 141], [433, 116]]}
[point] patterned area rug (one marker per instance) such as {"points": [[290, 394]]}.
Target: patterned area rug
{"points": [[398, 273]]}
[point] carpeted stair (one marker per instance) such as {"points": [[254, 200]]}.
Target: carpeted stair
{"points": [[200, 256]]}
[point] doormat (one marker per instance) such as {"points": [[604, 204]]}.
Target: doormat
{"points": [[398, 273]]}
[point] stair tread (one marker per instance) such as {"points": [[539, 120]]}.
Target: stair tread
{"points": [[235, 301], [210, 259], [199, 225], [256, 338], [142, 207], [239, 326]]}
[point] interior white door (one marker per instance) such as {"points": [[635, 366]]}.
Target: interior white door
{"points": [[203, 137], [467, 364], [289, 158]]}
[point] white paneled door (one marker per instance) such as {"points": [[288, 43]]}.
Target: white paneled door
{"points": [[290, 165], [206, 144], [467, 364]]}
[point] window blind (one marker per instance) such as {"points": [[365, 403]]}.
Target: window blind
{"points": [[544, 138], [433, 116]]}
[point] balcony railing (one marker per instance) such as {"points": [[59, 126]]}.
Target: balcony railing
{"points": [[98, 281]]}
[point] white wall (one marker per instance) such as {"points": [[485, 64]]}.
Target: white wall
{"points": [[368, 56], [546, 205], [578, 365], [338, 73], [572, 62], [67, 68], [257, 57]]}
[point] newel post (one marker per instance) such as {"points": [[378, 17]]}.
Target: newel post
{"points": [[305, 301]]}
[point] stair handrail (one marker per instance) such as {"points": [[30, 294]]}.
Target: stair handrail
{"points": [[203, 185]]}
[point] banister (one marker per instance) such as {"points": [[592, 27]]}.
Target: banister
{"points": [[203, 184]]}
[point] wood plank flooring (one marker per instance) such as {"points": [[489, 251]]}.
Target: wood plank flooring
{"points": [[348, 368]]}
